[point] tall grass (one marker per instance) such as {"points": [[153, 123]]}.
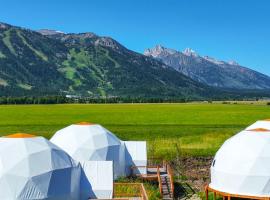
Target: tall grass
{"points": [[198, 128], [151, 189]]}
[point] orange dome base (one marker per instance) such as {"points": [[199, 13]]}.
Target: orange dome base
{"points": [[259, 130], [84, 123], [20, 135]]}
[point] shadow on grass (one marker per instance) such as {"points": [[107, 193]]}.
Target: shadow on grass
{"points": [[183, 190]]}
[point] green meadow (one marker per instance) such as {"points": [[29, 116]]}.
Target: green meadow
{"points": [[193, 129]]}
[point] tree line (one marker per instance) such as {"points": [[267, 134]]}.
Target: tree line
{"points": [[88, 100], [65, 100]]}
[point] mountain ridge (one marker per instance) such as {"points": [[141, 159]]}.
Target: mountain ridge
{"points": [[85, 64], [210, 71]]}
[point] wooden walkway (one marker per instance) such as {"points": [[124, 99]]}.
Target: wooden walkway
{"points": [[166, 188], [164, 175], [165, 182]]}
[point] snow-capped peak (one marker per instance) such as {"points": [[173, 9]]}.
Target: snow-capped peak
{"points": [[213, 60], [160, 51], [157, 50], [232, 62], [159, 47], [190, 52]]}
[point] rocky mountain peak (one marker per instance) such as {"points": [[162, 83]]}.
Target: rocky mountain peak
{"points": [[87, 35], [3, 25], [190, 52], [159, 50], [49, 32], [232, 62], [211, 71], [213, 60], [72, 64], [108, 42]]}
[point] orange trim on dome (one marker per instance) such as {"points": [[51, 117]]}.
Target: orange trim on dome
{"points": [[259, 130], [267, 120], [20, 135], [84, 123]]}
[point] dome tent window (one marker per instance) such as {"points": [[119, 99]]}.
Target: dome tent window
{"points": [[213, 163]]}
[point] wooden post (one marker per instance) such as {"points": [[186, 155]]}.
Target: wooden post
{"points": [[215, 195], [159, 181], [224, 198], [229, 197], [206, 193]]}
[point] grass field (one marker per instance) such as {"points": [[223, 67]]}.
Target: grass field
{"points": [[198, 129]]}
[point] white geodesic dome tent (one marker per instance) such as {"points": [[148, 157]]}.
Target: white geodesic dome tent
{"points": [[92, 142], [261, 124], [33, 168], [242, 164]]}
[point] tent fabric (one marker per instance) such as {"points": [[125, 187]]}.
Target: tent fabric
{"points": [[92, 142], [100, 175], [262, 124], [34, 168], [241, 166], [136, 155]]}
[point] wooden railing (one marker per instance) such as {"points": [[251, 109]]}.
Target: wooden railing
{"points": [[170, 174], [164, 165], [132, 190], [143, 193], [159, 181]]}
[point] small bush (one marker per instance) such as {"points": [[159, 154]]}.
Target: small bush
{"points": [[268, 103], [226, 102]]}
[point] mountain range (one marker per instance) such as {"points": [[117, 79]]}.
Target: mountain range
{"points": [[48, 62], [210, 71]]}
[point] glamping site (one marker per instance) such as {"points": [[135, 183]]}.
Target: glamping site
{"points": [[134, 100]]}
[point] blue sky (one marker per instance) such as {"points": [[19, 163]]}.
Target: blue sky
{"points": [[225, 29]]}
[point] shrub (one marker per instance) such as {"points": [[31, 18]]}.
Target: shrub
{"points": [[225, 102]]}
